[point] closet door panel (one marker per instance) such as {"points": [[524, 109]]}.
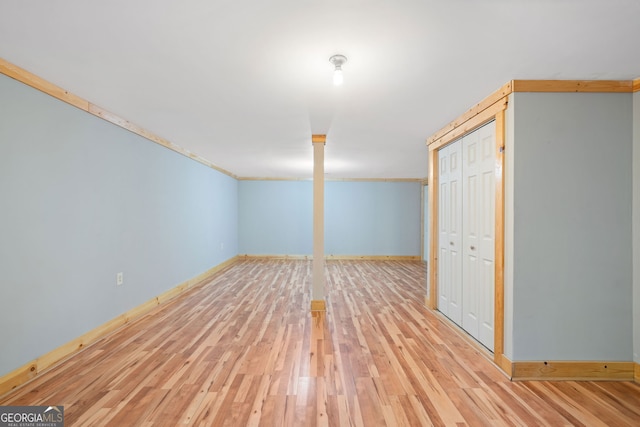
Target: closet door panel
{"points": [[466, 233], [486, 304], [455, 231], [486, 242], [450, 226], [472, 228], [444, 279]]}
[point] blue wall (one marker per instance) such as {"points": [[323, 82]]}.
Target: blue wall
{"points": [[82, 200], [372, 218], [572, 247], [275, 217], [361, 218]]}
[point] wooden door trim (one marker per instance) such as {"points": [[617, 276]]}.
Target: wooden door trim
{"points": [[491, 109], [434, 182], [477, 110], [498, 323], [499, 118], [478, 120]]}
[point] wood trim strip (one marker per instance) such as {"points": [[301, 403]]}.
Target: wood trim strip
{"points": [[23, 76], [420, 180], [434, 179], [125, 124], [374, 257], [573, 370], [422, 217], [489, 101], [636, 372], [32, 369], [498, 324], [63, 95], [505, 364], [636, 85], [608, 86], [479, 119], [339, 257], [253, 256]]}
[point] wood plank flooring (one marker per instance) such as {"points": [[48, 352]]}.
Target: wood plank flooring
{"points": [[244, 350]]}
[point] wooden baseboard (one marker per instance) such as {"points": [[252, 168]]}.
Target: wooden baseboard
{"points": [[249, 256], [374, 257], [573, 370], [339, 257], [35, 367], [636, 372]]}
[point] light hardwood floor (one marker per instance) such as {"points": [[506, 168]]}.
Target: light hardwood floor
{"points": [[243, 349]]}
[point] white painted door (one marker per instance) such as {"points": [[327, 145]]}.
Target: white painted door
{"points": [[487, 229], [450, 227], [470, 227], [478, 189], [444, 281]]}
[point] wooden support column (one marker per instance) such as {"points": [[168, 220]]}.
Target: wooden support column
{"points": [[317, 286]]}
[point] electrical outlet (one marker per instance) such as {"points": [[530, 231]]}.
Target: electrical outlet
{"points": [[221, 245], [119, 279]]}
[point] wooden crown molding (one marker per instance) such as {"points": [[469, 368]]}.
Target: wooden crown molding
{"points": [[593, 86], [24, 76], [30, 79], [482, 112]]}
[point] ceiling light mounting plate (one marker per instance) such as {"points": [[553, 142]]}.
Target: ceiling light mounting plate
{"points": [[338, 60]]}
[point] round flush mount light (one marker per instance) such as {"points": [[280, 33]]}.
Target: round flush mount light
{"points": [[338, 61]]}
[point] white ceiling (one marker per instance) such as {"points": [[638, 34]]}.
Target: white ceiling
{"points": [[244, 84]]}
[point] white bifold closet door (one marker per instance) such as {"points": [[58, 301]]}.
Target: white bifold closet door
{"points": [[450, 238], [467, 230]]}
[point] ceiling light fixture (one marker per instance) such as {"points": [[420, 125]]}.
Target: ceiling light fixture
{"points": [[338, 61]]}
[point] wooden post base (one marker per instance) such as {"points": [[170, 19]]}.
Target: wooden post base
{"points": [[318, 305]]}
